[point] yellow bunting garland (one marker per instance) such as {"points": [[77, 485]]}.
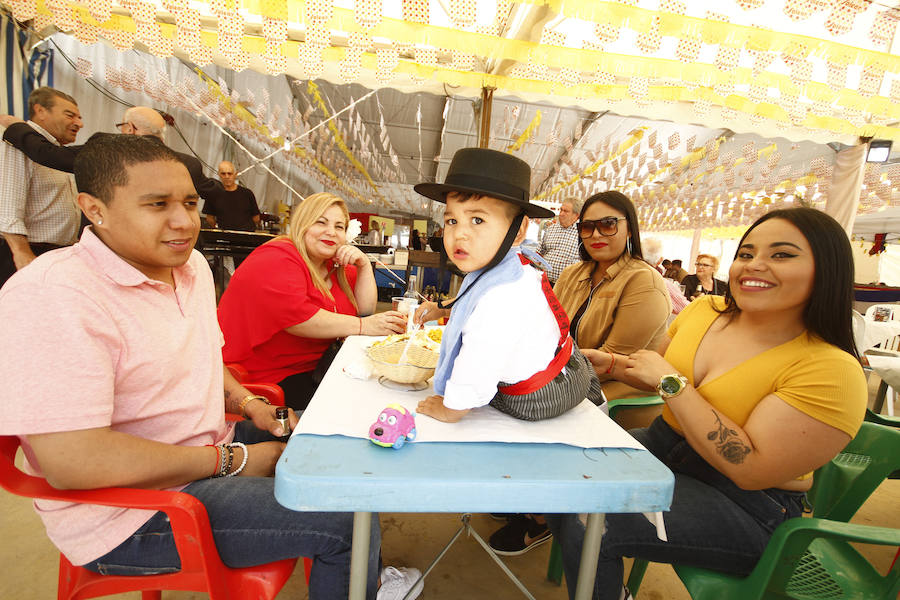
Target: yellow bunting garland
{"points": [[623, 147], [246, 116], [313, 89], [529, 131]]}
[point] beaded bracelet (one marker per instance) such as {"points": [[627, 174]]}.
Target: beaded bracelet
{"points": [[243, 447], [230, 461], [248, 399]]}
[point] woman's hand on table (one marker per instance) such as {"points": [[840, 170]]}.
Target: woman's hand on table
{"points": [[384, 323], [261, 459], [429, 311], [348, 254], [263, 417], [647, 367], [433, 406]]}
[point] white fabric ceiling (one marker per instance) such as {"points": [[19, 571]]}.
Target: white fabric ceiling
{"points": [[566, 142]]}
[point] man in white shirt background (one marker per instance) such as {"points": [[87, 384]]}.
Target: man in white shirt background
{"points": [[37, 204], [559, 244]]}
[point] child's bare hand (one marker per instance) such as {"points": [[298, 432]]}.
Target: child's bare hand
{"points": [[429, 311], [433, 406]]}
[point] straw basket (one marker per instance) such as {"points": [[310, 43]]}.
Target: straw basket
{"points": [[419, 366]]}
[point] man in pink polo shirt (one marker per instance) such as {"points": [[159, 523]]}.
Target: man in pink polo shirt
{"points": [[113, 376]]}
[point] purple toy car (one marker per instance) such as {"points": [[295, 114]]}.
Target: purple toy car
{"points": [[393, 427]]}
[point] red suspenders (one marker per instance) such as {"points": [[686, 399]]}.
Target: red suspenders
{"points": [[563, 350]]}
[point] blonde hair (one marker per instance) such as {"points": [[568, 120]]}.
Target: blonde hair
{"points": [[305, 215], [715, 261]]}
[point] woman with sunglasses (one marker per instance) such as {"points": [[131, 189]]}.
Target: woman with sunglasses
{"points": [[761, 388], [703, 282], [616, 301]]}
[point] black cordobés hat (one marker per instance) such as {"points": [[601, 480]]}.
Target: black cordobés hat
{"points": [[488, 173]]}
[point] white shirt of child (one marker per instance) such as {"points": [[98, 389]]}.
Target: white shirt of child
{"points": [[510, 335]]}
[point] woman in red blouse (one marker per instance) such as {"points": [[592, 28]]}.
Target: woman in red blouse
{"points": [[295, 295]]}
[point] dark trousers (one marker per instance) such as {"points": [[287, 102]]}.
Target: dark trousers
{"points": [[712, 523], [8, 265]]}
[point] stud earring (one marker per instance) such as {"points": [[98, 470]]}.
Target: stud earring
{"points": [[99, 221]]}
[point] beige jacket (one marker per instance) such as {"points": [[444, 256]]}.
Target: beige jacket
{"points": [[627, 311]]}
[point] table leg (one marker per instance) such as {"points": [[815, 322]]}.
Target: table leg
{"points": [[359, 555], [590, 553]]}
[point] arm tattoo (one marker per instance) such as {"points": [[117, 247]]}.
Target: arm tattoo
{"points": [[727, 442]]}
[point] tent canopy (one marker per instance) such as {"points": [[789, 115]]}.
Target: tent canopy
{"points": [[705, 113]]}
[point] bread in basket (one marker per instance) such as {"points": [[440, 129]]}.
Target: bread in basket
{"points": [[419, 363]]}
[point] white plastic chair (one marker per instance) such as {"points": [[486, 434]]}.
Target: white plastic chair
{"points": [[887, 394], [859, 332], [893, 314]]}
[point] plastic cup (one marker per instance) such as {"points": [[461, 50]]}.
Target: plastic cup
{"points": [[408, 306]]}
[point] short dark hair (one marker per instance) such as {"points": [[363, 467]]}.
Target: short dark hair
{"points": [[621, 203], [829, 313], [102, 164], [677, 262], [666, 262], [46, 97]]}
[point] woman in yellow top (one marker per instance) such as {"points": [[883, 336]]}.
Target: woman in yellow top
{"points": [[762, 387]]}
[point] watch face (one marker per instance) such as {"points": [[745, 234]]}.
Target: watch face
{"points": [[669, 385]]}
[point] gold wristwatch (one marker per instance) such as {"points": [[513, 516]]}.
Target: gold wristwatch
{"points": [[671, 385]]}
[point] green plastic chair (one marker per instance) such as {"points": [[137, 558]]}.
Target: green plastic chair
{"points": [[810, 558], [618, 404], [555, 565], [806, 559], [873, 417]]}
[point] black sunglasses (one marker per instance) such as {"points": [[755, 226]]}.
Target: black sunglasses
{"points": [[607, 226]]}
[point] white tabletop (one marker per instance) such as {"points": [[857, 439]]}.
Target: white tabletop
{"points": [[355, 398]]}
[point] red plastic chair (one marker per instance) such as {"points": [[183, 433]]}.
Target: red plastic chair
{"points": [[238, 372], [201, 567], [273, 392]]}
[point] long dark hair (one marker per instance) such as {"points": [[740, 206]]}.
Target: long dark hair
{"points": [[621, 203], [829, 312]]}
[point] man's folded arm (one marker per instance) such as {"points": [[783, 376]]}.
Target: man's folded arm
{"points": [[39, 149]]}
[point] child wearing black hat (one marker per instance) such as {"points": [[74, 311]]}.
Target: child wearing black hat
{"points": [[507, 342]]}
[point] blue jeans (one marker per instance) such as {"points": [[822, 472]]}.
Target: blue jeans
{"points": [[251, 528], [712, 523]]}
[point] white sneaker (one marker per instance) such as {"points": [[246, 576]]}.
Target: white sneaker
{"points": [[395, 583]]}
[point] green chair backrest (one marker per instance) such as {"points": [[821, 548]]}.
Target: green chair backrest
{"points": [[873, 417], [618, 404], [842, 486]]}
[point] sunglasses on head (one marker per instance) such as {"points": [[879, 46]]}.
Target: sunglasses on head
{"points": [[607, 226]]}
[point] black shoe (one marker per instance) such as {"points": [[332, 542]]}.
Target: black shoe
{"points": [[519, 536]]}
